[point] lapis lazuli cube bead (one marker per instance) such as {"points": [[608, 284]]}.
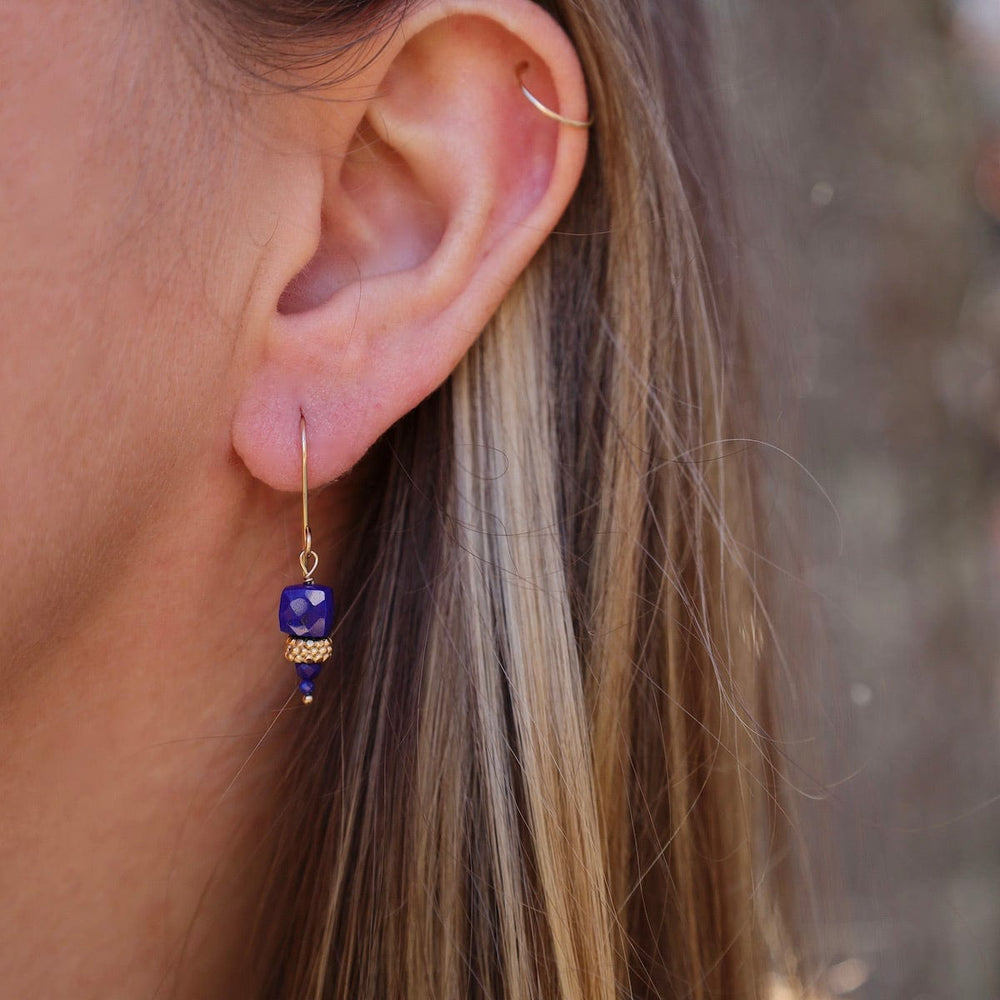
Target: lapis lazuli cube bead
{"points": [[307, 687], [306, 611]]}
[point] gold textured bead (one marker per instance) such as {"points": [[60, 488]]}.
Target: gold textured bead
{"points": [[308, 650]]}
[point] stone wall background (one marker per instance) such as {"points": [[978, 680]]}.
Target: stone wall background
{"points": [[859, 126]]}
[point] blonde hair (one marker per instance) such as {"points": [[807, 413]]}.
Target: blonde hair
{"points": [[544, 765]]}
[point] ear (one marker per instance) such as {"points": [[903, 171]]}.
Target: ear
{"points": [[413, 210]]}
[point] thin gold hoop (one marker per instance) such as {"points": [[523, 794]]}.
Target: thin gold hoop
{"points": [[545, 110]]}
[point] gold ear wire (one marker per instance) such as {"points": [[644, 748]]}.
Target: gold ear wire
{"points": [[545, 110], [308, 559]]}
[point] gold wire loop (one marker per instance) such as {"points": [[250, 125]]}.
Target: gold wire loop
{"points": [[544, 108], [308, 559], [308, 567]]}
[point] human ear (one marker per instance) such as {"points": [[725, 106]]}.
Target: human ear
{"points": [[427, 183]]}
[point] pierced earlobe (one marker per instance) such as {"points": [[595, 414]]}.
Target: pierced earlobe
{"points": [[305, 611]]}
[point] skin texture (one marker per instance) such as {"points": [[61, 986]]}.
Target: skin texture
{"points": [[186, 264]]}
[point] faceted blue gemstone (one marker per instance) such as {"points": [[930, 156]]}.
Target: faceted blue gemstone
{"points": [[307, 687], [308, 671], [306, 611]]}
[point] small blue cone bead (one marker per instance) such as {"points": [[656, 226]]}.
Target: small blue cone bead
{"points": [[308, 671]]}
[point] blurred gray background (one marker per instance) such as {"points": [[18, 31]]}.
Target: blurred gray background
{"points": [[866, 147]]}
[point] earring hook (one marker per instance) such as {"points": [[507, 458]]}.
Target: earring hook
{"points": [[308, 559]]}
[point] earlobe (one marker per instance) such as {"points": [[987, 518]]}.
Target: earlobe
{"points": [[449, 183]]}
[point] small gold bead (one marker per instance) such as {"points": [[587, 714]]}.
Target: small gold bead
{"points": [[307, 699]]}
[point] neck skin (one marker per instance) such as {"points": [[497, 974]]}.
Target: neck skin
{"points": [[135, 793]]}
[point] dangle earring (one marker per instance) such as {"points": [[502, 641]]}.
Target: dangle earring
{"points": [[305, 612]]}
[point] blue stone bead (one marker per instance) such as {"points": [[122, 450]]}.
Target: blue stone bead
{"points": [[306, 611], [308, 671], [307, 687]]}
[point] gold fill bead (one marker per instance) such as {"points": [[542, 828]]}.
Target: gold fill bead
{"points": [[308, 650]]}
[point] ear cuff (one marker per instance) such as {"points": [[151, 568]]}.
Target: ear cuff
{"points": [[544, 108]]}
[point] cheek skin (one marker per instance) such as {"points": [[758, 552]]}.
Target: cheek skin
{"points": [[111, 343]]}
